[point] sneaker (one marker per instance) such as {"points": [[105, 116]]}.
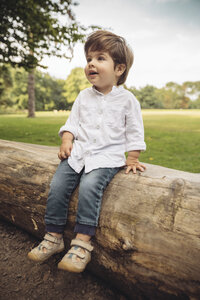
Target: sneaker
{"points": [[77, 257], [49, 246]]}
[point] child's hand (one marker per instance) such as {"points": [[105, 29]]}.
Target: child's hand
{"points": [[65, 150], [66, 146], [133, 163], [135, 166]]}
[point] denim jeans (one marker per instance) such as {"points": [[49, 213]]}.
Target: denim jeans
{"points": [[92, 186]]}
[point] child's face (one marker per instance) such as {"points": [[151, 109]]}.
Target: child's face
{"points": [[100, 71]]}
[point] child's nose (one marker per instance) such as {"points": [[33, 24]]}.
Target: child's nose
{"points": [[91, 63]]}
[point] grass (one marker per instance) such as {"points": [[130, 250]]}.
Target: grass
{"points": [[173, 139], [172, 136], [41, 130]]}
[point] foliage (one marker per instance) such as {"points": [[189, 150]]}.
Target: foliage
{"points": [[52, 93], [13, 91], [6, 84], [195, 104], [49, 92], [148, 97], [178, 94], [172, 136], [75, 82], [19, 92], [172, 96], [31, 29], [193, 91]]}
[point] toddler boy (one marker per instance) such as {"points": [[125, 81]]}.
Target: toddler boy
{"points": [[104, 123]]}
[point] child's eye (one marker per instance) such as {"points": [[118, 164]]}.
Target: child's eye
{"points": [[88, 59], [101, 58]]}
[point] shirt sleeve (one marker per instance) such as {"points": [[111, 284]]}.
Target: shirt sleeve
{"points": [[72, 122], [134, 127]]}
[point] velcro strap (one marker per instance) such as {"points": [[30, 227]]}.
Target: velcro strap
{"points": [[82, 244], [50, 238], [45, 244], [77, 252]]}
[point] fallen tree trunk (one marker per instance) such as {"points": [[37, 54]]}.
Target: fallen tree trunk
{"points": [[148, 240]]}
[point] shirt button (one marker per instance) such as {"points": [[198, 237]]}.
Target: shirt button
{"points": [[94, 140], [98, 126], [100, 112]]}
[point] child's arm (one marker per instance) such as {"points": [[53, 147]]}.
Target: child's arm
{"points": [[68, 132], [66, 146], [133, 163], [134, 136]]}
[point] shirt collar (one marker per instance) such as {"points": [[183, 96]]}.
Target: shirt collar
{"points": [[115, 90]]}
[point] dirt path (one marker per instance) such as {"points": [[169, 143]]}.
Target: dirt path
{"points": [[22, 279]]}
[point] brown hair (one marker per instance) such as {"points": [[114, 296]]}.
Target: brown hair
{"points": [[115, 45]]}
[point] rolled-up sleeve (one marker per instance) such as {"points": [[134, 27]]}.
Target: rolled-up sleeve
{"points": [[134, 127], [72, 122]]}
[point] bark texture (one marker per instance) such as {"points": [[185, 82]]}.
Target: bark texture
{"points": [[148, 240], [31, 93]]}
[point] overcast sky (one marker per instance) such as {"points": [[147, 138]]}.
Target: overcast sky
{"points": [[164, 35]]}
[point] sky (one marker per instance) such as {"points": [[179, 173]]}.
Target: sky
{"points": [[163, 34]]}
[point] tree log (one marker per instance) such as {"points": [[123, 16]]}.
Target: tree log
{"points": [[148, 240]]}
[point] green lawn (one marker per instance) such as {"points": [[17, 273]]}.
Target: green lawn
{"points": [[41, 130], [172, 137]]}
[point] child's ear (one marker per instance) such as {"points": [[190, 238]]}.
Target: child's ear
{"points": [[120, 68]]}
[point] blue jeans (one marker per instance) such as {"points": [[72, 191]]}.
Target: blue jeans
{"points": [[92, 186]]}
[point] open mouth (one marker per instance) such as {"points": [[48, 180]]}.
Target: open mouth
{"points": [[93, 73]]}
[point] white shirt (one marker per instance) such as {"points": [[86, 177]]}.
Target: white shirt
{"points": [[104, 128]]}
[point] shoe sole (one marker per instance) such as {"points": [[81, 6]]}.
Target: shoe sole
{"points": [[70, 268], [34, 257]]}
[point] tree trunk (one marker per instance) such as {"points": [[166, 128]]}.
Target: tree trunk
{"points": [[31, 93], [148, 240]]}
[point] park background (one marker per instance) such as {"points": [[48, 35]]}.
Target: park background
{"points": [[164, 35]]}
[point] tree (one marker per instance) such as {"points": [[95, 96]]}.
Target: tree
{"points": [[165, 96], [179, 96], [195, 104], [14, 95], [147, 97], [31, 29], [75, 82], [192, 90], [6, 84], [49, 92], [19, 92], [60, 101]]}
